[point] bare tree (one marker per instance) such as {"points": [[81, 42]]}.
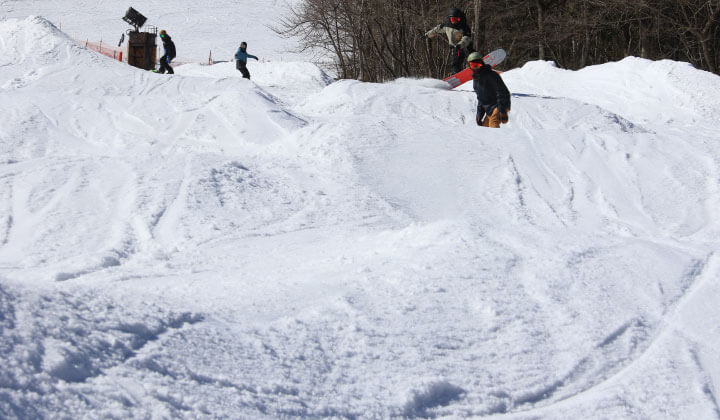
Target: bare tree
{"points": [[376, 40]]}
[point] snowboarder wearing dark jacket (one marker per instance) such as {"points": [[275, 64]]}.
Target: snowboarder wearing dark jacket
{"points": [[493, 96], [458, 34], [168, 54], [241, 58]]}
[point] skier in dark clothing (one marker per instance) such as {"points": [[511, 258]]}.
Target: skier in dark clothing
{"points": [[241, 58], [459, 37], [493, 96], [168, 54]]}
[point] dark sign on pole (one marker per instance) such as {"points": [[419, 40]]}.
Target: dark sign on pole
{"points": [[142, 52]]}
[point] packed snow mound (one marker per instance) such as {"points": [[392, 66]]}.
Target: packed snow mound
{"points": [[90, 126], [34, 43], [432, 99], [641, 90], [403, 98], [266, 73], [131, 105], [294, 81]]}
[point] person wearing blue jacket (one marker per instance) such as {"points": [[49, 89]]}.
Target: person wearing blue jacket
{"points": [[241, 58]]}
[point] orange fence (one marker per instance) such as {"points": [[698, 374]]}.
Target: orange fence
{"points": [[108, 50], [117, 53]]}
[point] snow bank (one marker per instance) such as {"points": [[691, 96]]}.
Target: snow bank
{"points": [[35, 42], [643, 91], [431, 99], [293, 81], [48, 62], [92, 128], [403, 98], [266, 73]]}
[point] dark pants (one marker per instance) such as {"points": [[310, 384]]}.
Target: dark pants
{"points": [[165, 65], [242, 67], [458, 58]]}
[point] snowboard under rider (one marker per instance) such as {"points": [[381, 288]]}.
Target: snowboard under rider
{"points": [[168, 54], [241, 58], [493, 96], [458, 34]]}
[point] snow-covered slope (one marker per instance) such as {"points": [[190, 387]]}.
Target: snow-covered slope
{"points": [[204, 246], [645, 91]]}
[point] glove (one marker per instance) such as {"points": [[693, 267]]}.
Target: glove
{"points": [[503, 118], [502, 115]]}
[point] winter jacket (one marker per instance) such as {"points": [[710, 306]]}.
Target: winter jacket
{"points": [[458, 34], [242, 55], [491, 91], [169, 47]]}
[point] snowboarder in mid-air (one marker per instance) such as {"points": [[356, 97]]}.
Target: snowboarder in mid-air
{"points": [[493, 96], [169, 53], [241, 58], [459, 37]]}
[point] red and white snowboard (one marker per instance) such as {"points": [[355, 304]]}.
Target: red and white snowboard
{"points": [[493, 59]]}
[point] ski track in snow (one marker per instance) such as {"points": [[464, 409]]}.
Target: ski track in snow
{"points": [[203, 246]]}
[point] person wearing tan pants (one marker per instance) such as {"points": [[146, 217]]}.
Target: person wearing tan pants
{"points": [[493, 96], [494, 120]]}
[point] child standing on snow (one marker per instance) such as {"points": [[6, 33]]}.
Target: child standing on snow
{"points": [[241, 58], [493, 96]]}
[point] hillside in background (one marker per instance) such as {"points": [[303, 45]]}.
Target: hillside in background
{"points": [[205, 246]]}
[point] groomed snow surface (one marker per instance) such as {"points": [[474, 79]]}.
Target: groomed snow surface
{"points": [[204, 246]]}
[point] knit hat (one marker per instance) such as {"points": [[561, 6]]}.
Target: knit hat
{"points": [[476, 56]]}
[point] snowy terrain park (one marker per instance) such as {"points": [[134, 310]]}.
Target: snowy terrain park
{"points": [[202, 246]]}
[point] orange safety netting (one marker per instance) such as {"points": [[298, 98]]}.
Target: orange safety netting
{"points": [[105, 49], [117, 53]]}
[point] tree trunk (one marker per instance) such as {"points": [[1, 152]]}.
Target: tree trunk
{"points": [[585, 48], [478, 27], [541, 32]]}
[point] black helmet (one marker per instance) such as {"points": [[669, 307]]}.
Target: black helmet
{"points": [[455, 12], [243, 44]]}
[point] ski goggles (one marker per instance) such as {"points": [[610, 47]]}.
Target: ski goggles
{"points": [[476, 64], [454, 20]]}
